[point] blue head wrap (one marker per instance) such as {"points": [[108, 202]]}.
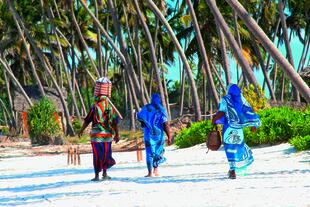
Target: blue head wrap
{"points": [[239, 113], [155, 100], [235, 94]]}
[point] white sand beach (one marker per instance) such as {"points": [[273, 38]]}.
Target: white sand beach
{"points": [[279, 176]]}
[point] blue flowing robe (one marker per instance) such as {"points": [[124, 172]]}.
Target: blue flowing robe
{"points": [[153, 119], [238, 114]]}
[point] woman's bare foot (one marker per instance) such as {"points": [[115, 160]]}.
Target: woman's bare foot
{"points": [[149, 175], [155, 171]]}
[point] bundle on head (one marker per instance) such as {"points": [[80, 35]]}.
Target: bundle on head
{"points": [[103, 87]]}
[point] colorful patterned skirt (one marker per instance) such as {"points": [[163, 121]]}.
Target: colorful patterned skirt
{"points": [[238, 154], [102, 156]]}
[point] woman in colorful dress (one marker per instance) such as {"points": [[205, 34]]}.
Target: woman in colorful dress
{"points": [[235, 113], [104, 124], [153, 118]]}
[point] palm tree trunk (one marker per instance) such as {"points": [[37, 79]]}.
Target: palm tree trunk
{"points": [[269, 56], [224, 54], [182, 91], [5, 113], [287, 45], [129, 35], [45, 65], [87, 92], [236, 49], [59, 77], [13, 78], [263, 67], [132, 91], [32, 66], [269, 46], [77, 57], [282, 87], [285, 33], [99, 55], [131, 109], [237, 36], [62, 59], [8, 88], [218, 76], [123, 46], [304, 51], [153, 55], [105, 34], [138, 53], [152, 71], [84, 112], [159, 15], [164, 84], [76, 25], [203, 51]]}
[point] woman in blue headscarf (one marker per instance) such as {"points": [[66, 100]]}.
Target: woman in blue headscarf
{"points": [[235, 113], [153, 118]]}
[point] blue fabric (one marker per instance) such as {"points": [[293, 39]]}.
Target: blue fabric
{"points": [[153, 116], [238, 114]]}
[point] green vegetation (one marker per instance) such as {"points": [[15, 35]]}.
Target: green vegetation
{"points": [[43, 127], [256, 101], [195, 134], [4, 130], [77, 125], [279, 125], [301, 143], [282, 124]]}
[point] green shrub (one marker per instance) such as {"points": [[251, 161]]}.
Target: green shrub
{"points": [[77, 125], [4, 130], [195, 134], [301, 143], [279, 124], [43, 127]]}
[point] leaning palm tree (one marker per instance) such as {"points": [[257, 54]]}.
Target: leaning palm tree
{"points": [[203, 51], [160, 16], [234, 45], [297, 81], [152, 51]]}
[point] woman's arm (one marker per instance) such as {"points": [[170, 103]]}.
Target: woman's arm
{"points": [[218, 115], [166, 126]]}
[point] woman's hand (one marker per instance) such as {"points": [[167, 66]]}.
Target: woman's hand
{"points": [[116, 138], [218, 115], [80, 133], [169, 141]]}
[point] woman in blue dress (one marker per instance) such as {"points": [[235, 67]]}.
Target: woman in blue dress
{"points": [[153, 118], [235, 113]]}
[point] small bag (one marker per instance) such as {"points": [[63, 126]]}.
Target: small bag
{"points": [[214, 140]]}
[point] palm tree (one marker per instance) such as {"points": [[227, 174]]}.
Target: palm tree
{"points": [[183, 57], [13, 78], [76, 25], [203, 51], [234, 45], [152, 51], [269, 46], [46, 66]]}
